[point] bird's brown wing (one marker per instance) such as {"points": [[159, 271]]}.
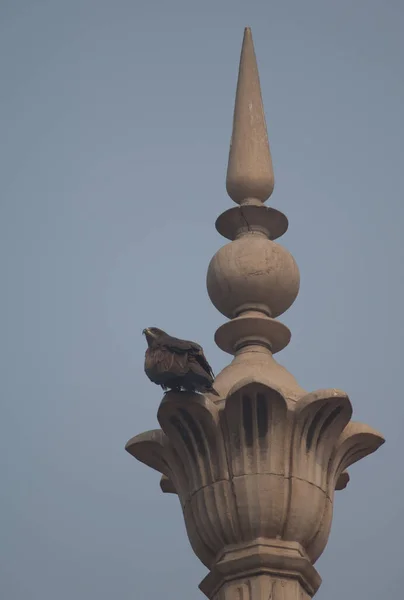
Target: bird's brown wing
{"points": [[177, 345], [185, 346], [199, 369], [201, 358], [161, 365]]}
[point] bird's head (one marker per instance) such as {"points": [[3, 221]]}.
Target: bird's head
{"points": [[152, 334]]}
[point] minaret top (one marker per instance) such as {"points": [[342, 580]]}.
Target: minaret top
{"points": [[250, 177]]}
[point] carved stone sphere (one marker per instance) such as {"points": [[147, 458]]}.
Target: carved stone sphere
{"points": [[253, 273]]}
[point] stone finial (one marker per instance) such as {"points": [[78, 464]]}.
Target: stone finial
{"points": [[250, 178], [252, 280], [256, 469]]}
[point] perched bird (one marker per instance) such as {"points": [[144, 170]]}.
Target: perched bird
{"points": [[176, 364]]}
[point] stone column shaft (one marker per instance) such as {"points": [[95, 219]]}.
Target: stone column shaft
{"points": [[261, 587], [262, 570]]}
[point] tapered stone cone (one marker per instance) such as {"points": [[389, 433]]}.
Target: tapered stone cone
{"points": [[249, 175]]}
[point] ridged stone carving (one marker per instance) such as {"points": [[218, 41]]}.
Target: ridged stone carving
{"points": [[260, 467]]}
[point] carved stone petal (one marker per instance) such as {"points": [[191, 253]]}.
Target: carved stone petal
{"points": [[255, 428], [342, 481], [190, 422], [356, 441], [317, 544], [213, 513], [320, 418], [167, 486], [254, 423], [149, 448], [154, 450]]}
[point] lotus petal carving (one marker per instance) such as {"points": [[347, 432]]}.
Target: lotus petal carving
{"points": [[259, 467]]}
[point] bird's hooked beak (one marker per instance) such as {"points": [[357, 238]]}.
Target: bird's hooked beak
{"points": [[148, 335]]}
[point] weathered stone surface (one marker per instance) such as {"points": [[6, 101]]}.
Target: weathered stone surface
{"points": [[253, 273], [285, 573], [258, 467]]}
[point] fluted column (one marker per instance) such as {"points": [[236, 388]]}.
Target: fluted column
{"points": [[256, 468]]}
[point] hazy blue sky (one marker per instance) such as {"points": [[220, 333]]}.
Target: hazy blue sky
{"points": [[115, 125]]}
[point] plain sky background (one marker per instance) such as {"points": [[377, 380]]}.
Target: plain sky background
{"points": [[115, 127]]}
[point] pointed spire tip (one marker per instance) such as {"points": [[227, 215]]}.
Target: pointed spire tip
{"points": [[249, 174]]}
